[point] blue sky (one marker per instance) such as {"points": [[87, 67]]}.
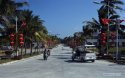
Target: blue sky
{"points": [[64, 17]]}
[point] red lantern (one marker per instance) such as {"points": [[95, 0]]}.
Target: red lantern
{"points": [[12, 35], [113, 35], [21, 35], [103, 34], [21, 39], [12, 39], [12, 43], [23, 24], [103, 38], [103, 42], [21, 43]]}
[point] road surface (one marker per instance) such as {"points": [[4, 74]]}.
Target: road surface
{"points": [[59, 65]]}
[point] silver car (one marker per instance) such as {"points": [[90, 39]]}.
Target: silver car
{"points": [[80, 53]]}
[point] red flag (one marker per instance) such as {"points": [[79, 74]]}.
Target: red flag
{"points": [[23, 24], [105, 21]]}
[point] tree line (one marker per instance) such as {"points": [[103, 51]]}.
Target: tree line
{"points": [[14, 19], [109, 10]]}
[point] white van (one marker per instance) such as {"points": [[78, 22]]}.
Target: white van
{"points": [[89, 46]]}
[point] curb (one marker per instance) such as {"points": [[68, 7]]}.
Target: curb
{"points": [[7, 63]]}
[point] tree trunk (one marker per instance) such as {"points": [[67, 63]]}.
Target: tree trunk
{"points": [[37, 46], [31, 51], [21, 51], [25, 45]]}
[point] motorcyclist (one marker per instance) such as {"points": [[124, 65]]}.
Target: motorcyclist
{"points": [[45, 55], [48, 52], [77, 52]]}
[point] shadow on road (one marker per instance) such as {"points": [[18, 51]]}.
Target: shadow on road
{"points": [[67, 53], [70, 61], [59, 55], [76, 61], [41, 59], [116, 64], [62, 57], [121, 63], [111, 60]]}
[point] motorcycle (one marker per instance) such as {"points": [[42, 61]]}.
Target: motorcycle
{"points": [[46, 53]]}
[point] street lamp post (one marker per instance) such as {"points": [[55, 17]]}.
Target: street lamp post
{"points": [[16, 38], [117, 34], [118, 21]]}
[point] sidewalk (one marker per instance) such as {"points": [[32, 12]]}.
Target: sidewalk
{"points": [[13, 61]]}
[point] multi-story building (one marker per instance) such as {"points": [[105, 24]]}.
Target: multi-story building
{"points": [[95, 37]]}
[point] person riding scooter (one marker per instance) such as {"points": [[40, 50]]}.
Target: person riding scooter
{"points": [[45, 54]]}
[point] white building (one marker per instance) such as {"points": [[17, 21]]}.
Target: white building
{"points": [[95, 37]]}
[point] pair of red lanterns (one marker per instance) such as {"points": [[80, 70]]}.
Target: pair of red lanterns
{"points": [[21, 39], [103, 38], [12, 38], [113, 35], [12, 35]]}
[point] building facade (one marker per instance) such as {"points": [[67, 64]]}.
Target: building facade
{"points": [[94, 40]]}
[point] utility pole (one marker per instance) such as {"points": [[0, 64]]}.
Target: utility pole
{"points": [[117, 43], [107, 46]]}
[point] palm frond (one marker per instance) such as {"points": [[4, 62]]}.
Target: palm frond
{"points": [[117, 2], [114, 16], [119, 8]]}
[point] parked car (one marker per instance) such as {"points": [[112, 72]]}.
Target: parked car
{"points": [[8, 52], [80, 53], [6, 48]]}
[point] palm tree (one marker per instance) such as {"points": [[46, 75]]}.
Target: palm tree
{"points": [[107, 10], [93, 25], [109, 7], [79, 38], [8, 9], [34, 24]]}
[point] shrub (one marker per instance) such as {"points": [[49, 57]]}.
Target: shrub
{"points": [[8, 52]]}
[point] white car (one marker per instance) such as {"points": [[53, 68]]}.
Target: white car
{"points": [[82, 54], [89, 56]]}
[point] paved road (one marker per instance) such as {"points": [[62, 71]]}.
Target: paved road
{"points": [[59, 65]]}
